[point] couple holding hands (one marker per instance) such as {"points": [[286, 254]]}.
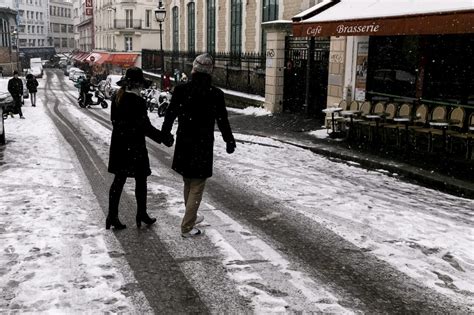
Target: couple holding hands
{"points": [[198, 105]]}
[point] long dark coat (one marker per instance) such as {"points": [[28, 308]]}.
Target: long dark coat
{"points": [[198, 106], [15, 87], [128, 152], [32, 84]]}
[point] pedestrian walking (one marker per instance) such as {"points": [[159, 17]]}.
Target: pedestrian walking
{"points": [[128, 152], [198, 105], [32, 86], [15, 87]]}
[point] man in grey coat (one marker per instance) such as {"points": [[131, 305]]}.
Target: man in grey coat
{"points": [[198, 105]]}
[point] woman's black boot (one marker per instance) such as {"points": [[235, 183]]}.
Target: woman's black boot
{"points": [[143, 217], [114, 222]]}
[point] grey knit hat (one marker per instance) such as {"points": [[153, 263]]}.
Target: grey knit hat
{"points": [[203, 64]]}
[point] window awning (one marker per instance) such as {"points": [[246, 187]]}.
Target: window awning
{"points": [[386, 17], [97, 58], [124, 60], [79, 56]]}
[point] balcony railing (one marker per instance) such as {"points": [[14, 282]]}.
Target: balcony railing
{"points": [[127, 24]]}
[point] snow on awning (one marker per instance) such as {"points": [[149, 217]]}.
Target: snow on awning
{"points": [[388, 17], [97, 58]]}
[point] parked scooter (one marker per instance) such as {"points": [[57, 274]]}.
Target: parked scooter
{"points": [[149, 97], [93, 97], [164, 100]]}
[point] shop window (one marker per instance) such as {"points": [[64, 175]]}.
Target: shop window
{"points": [[191, 26], [269, 13], [128, 43], [175, 29], [148, 18], [236, 27], [211, 26]]}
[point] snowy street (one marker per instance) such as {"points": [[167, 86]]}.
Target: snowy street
{"points": [[286, 230]]}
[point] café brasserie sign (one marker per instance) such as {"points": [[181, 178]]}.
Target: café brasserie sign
{"points": [[342, 29], [446, 23]]}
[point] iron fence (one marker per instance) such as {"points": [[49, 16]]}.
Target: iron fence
{"points": [[243, 72]]}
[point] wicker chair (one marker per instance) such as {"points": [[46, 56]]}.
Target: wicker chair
{"points": [[438, 113], [464, 137]]}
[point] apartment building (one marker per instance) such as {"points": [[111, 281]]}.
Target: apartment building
{"points": [[8, 40], [33, 22], [84, 26], [224, 25], [61, 27], [125, 26]]}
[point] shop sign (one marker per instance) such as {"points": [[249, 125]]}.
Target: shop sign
{"points": [[342, 29], [88, 11], [422, 24], [88, 3], [361, 70]]}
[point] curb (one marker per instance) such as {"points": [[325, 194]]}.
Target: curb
{"points": [[422, 177]]}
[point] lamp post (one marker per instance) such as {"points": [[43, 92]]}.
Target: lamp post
{"points": [[160, 15], [14, 36]]}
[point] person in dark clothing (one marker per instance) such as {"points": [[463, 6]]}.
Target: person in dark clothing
{"points": [[84, 86], [32, 86], [128, 152], [15, 87], [198, 106]]}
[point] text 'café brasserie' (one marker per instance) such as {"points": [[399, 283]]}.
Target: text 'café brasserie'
{"points": [[408, 50]]}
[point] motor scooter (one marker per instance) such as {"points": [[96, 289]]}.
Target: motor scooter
{"points": [[164, 100], [93, 97]]}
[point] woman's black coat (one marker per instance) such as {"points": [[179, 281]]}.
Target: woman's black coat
{"points": [[32, 85], [198, 106], [128, 152]]}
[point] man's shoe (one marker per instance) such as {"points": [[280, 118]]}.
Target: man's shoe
{"points": [[199, 219], [192, 233], [22, 117]]}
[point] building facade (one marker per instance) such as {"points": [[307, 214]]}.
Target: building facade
{"points": [[61, 27], [84, 26], [33, 23], [225, 25], [125, 26], [8, 41]]}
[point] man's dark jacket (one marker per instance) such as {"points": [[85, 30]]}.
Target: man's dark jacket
{"points": [[198, 106], [15, 87]]}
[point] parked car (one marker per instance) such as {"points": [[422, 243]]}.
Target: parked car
{"points": [[6, 100], [71, 72], [36, 71], [111, 85], [78, 74], [67, 68]]}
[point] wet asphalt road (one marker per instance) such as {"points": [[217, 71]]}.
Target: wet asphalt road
{"points": [[193, 281]]}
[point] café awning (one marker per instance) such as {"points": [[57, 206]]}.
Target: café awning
{"points": [[124, 60], [80, 56], [97, 58], [385, 17]]}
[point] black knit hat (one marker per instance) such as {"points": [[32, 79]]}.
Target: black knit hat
{"points": [[134, 75]]}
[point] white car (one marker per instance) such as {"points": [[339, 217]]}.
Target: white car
{"points": [[111, 85], [78, 74], [36, 72], [71, 72]]}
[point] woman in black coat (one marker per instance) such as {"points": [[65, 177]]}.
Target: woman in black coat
{"points": [[198, 105], [32, 86], [128, 152]]}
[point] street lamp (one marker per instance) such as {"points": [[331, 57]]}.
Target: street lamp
{"points": [[15, 39], [160, 15]]}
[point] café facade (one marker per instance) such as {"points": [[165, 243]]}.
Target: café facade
{"points": [[405, 50]]}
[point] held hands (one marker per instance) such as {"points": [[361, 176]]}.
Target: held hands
{"points": [[230, 147], [168, 140]]}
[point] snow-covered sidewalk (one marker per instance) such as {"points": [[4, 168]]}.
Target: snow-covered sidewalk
{"points": [[55, 255]]}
